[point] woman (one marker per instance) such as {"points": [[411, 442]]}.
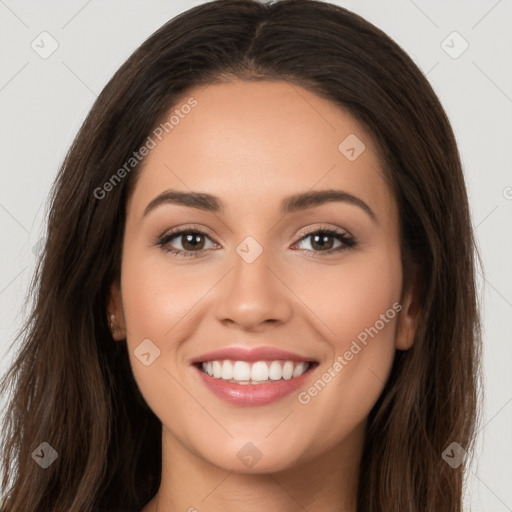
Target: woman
{"points": [[258, 286]]}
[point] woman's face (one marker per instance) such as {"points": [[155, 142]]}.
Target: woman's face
{"points": [[261, 273]]}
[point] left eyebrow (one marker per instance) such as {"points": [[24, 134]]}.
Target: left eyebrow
{"points": [[296, 202], [314, 198]]}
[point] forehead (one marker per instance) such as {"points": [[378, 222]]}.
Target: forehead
{"points": [[254, 142]]}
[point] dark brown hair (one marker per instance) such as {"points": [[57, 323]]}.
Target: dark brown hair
{"points": [[72, 386]]}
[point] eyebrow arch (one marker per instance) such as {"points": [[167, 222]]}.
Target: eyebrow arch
{"points": [[296, 202]]}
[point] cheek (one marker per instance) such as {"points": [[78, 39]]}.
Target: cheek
{"points": [[158, 306], [351, 297], [155, 307], [361, 315], [158, 296]]}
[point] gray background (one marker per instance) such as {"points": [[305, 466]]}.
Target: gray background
{"points": [[44, 101]]}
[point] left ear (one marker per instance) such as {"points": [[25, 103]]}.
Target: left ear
{"points": [[409, 316], [115, 316]]}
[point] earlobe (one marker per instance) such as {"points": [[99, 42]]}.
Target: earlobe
{"points": [[115, 314], [408, 319]]}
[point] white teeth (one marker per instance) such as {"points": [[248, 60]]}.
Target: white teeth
{"points": [[287, 370], [217, 369], [299, 369], [243, 372], [227, 370], [259, 371], [275, 372]]}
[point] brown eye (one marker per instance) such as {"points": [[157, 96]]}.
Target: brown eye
{"points": [[192, 242], [323, 241]]}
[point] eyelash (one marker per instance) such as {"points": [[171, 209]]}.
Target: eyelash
{"points": [[348, 242]]}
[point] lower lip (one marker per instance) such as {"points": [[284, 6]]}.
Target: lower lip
{"points": [[253, 394]]}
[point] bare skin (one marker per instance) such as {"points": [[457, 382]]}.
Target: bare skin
{"points": [[253, 144]]}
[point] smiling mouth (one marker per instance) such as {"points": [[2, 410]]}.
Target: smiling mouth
{"points": [[256, 372]]}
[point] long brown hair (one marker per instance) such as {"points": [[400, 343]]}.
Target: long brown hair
{"points": [[72, 385]]}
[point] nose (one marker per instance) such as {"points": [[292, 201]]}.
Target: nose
{"points": [[254, 295]]}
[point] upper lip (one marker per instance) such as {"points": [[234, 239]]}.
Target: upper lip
{"points": [[246, 354]]}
